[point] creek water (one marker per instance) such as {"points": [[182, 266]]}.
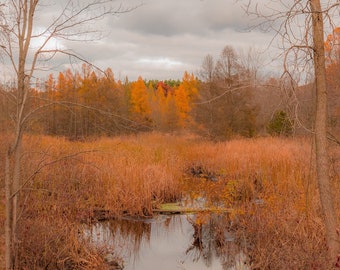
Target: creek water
{"points": [[170, 242]]}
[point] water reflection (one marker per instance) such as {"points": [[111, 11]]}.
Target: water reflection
{"points": [[171, 242]]}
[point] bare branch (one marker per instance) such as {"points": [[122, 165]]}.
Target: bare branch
{"points": [[43, 165], [228, 90]]}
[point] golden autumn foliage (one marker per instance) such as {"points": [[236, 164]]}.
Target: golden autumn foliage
{"points": [[164, 111], [332, 50], [182, 104], [140, 99], [161, 99], [190, 84], [84, 101], [87, 103]]}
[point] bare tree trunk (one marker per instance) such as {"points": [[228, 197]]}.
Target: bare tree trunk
{"points": [[17, 34], [322, 163], [8, 222], [15, 197], [12, 186]]}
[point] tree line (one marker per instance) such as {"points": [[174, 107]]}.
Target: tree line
{"points": [[226, 98], [87, 103]]}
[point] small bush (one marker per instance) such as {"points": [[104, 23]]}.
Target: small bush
{"points": [[280, 124]]}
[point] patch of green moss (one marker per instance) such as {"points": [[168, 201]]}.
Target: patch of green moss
{"points": [[176, 207]]}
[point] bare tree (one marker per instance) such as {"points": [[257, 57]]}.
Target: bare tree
{"points": [[322, 163], [18, 31], [228, 67], [224, 107], [300, 25], [206, 75], [251, 62]]}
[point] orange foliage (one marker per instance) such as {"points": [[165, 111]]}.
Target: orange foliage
{"points": [[166, 107], [332, 49], [164, 111], [190, 84], [139, 98], [182, 103], [184, 95]]}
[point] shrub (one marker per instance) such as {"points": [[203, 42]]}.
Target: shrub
{"points": [[280, 124]]}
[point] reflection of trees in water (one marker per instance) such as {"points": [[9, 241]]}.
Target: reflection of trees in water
{"points": [[211, 239], [129, 234]]}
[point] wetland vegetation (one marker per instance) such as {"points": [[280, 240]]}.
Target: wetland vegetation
{"points": [[267, 184]]}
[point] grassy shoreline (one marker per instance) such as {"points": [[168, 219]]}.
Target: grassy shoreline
{"points": [[129, 175]]}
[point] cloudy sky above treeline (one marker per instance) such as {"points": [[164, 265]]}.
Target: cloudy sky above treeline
{"points": [[160, 39]]}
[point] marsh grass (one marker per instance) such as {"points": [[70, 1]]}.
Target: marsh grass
{"points": [[131, 175]]}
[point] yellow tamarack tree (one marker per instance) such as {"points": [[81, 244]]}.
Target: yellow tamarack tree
{"points": [[182, 104], [140, 99]]}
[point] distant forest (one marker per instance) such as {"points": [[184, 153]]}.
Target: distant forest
{"points": [[227, 98]]}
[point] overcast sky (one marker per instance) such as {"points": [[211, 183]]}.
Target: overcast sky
{"points": [[161, 39]]}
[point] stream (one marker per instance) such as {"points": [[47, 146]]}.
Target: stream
{"points": [[170, 242]]}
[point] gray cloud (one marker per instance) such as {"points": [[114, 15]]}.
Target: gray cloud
{"points": [[164, 17], [162, 38]]}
